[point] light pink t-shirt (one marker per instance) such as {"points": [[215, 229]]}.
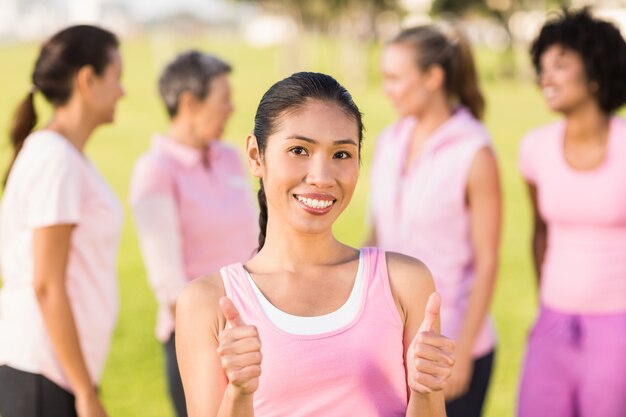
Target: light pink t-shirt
{"points": [[354, 370], [53, 183], [584, 270], [212, 208], [422, 213]]}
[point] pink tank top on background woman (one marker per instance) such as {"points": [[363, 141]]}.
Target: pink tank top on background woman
{"points": [[423, 213], [354, 370]]}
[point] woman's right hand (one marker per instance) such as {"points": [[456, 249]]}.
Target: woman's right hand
{"points": [[89, 405], [239, 351], [431, 358]]}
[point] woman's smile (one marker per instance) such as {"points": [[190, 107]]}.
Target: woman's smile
{"points": [[315, 203]]}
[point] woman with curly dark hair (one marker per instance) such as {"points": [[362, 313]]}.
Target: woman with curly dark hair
{"points": [[576, 174]]}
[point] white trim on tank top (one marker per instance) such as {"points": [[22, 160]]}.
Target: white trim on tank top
{"points": [[300, 325]]}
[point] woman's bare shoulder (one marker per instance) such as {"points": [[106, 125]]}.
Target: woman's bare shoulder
{"points": [[411, 282], [405, 270], [200, 300]]}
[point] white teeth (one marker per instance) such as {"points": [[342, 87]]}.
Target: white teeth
{"points": [[317, 204]]}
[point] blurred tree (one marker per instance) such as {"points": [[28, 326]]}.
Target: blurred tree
{"points": [[456, 6], [495, 7], [352, 23], [322, 14], [501, 11]]}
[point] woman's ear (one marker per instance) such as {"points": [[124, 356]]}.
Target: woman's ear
{"points": [[435, 77], [253, 154], [187, 103], [85, 78]]}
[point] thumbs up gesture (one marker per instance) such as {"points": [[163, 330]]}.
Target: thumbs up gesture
{"points": [[430, 357], [239, 350]]}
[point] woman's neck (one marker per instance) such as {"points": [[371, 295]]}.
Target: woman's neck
{"points": [[432, 119], [587, 123], [182, 132], [73, 123], [428, 122], [293, 251]]}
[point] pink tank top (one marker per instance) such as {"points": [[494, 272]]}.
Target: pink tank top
{"points": [[422, 212], [355, 370]]}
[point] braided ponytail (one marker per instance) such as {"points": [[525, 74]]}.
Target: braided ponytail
{"points": [[262, 215]]}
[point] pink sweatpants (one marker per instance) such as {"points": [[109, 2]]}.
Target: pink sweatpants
{"points": [[575, 366]]}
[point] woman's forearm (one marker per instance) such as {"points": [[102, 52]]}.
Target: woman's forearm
{"points": [[51, 249], [540, 232], [236, 405], [477, 308], [485, 208], [158, 230], [540, 243], [61, 327], [426, 405]]}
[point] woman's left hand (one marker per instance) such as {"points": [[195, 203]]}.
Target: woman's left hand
{"points": [[430, 358]]}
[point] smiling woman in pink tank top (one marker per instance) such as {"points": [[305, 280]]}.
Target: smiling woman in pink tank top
{"points": [[310, 326], [435, 194]]}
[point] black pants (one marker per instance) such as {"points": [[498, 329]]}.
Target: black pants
{"points": [[471, 404], [174, 383], [23, 394]]}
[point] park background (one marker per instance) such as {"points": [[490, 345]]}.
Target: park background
{"points": [[266, 41]]}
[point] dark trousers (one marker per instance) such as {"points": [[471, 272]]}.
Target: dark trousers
{"points": [[471, 404], [23, 394], [174, 383]]}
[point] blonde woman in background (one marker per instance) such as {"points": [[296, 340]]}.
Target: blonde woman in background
{"points": [[435, 193]]}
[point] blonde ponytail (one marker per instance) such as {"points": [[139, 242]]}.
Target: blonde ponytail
{"points": [[447, 47]]}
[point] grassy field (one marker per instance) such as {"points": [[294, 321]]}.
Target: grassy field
{"points": [[133, 383]]}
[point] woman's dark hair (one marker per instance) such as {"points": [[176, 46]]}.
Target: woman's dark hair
{"points": [[289, 96], [60, 59], [448, 48], [600, 46]]}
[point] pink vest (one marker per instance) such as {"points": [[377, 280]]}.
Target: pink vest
{"points": [[356, 370], [423, 213]]}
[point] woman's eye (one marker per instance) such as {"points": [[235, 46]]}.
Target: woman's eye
{"points": [[298, 150], [342, 155]]}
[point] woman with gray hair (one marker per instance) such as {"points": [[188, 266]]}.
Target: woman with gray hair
{"points": [[191, 198]]}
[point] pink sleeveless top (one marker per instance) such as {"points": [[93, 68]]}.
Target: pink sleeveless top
{"points": [[355, 370], [422, 212]]}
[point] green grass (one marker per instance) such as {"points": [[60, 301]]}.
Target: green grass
{"points": [[133, 383]]}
